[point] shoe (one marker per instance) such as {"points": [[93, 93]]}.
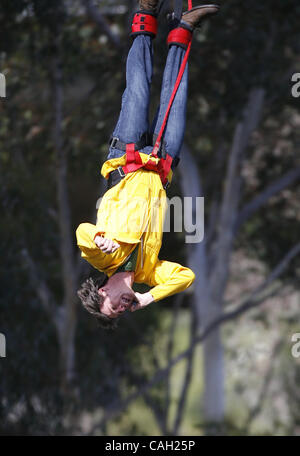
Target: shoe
{"points": [[149, 5], [195, 16]]}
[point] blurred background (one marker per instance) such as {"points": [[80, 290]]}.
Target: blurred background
{"points": [[222, 357]]}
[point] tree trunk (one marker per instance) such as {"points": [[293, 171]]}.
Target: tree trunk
{"points": [[67, 313], [197, 261], [214, 404], [209, 290]]}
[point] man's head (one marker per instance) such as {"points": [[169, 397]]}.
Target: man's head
{"points": [[108, 298]]}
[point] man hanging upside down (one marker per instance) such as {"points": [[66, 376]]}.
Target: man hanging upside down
{"points": [[126, 240]]}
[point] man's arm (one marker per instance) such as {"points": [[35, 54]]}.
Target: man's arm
{"points": [[94, 247], [169, 278]]}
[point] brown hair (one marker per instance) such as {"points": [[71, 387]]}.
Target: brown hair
{"points": [[91, 301]]}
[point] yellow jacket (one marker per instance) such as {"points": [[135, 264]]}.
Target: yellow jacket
{"points": [[132, 212]]}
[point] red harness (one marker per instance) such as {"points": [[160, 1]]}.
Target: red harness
{"points": [[143, 22], [134, 162]]}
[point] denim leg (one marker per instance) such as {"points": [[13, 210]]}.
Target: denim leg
{"points": [[134, 117], [174, 130]]}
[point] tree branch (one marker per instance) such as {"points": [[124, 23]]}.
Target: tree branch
{"points": [[275, 187]]}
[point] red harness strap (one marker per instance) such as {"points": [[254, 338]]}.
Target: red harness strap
{"points": [[164, 166], [134, 162], [133, 159]]}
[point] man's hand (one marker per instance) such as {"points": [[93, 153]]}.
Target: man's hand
{"points": [[144, 299], [106, 245]]}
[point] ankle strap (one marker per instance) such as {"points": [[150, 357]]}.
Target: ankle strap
{"points": [[180, 36], [144, 22]]}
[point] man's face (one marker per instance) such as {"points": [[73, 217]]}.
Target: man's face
{"points": [[117, 299]]}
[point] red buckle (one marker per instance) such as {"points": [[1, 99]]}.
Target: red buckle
{"points": [[151, 165], [144, 23]]}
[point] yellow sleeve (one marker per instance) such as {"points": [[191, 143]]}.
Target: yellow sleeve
{"points": [[169, 278], [85, 235]]}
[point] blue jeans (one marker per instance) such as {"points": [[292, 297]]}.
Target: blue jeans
{"points": [[133, 118]]}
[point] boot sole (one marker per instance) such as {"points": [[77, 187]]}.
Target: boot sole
{"points": [[201, 7]]}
